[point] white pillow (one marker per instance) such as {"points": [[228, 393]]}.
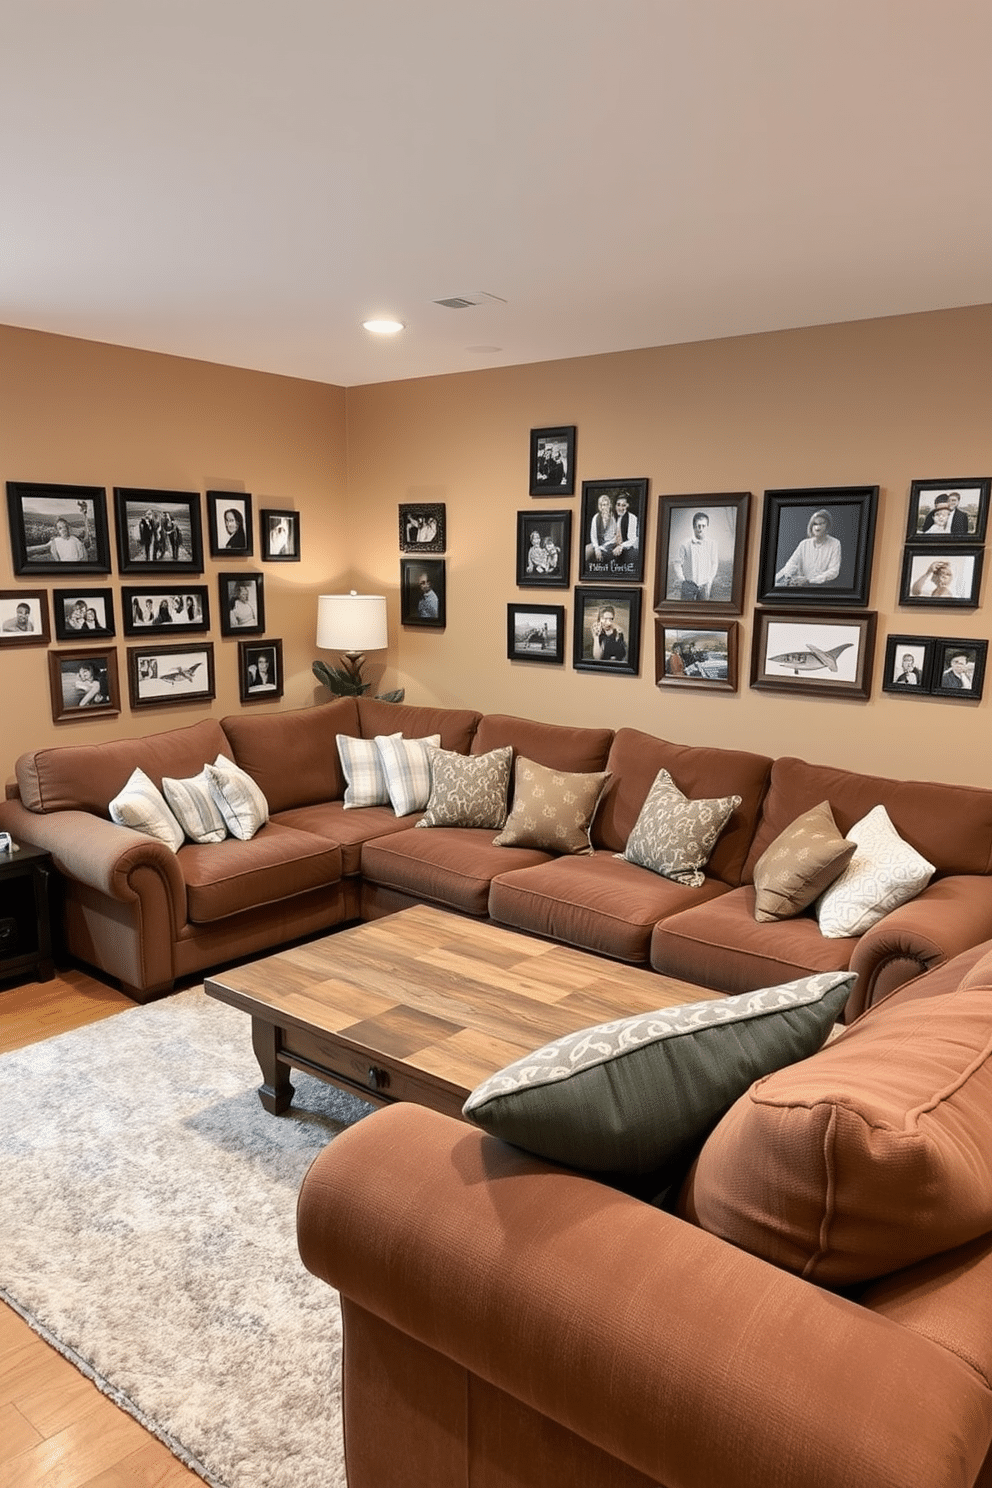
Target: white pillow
{"points": [[407, 766], [141, 806], [362, 766], [237, 797], [195, 808], [884, 873]]}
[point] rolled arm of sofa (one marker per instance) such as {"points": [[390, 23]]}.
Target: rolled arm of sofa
{"points": [[690, 1360]]}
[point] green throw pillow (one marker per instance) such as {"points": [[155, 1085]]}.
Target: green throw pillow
{"points": [[638, 1094]]}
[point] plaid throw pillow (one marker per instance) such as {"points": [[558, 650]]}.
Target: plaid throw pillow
{"points": [[406, 764], [362, 766]]}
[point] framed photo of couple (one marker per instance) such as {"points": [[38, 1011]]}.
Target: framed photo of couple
{"points": [[612, 526], [544, 549], [702, 548], [954, 511]]}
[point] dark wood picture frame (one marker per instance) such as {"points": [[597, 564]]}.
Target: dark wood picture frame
{"points": [[697, 657], [621, 658], [422, 527], [84, 684], [147, 608], [912, 680], [24, 617], [280, 533], [260, 676], [546, 564], [599, 559], [419, 605], [726, 528], [794, 559], [242, 603], [95, 620], [944, 681], [58, 529], [158, 531], [230, 528], [552, 461], [161, 676], [966, 499], [948, 578], [535, 633], [806, 652]]}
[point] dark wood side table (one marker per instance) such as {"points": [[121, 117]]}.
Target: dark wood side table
{"points": [[25, 915]]}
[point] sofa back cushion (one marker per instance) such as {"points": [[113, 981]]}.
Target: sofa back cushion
{"points": [[293, 756], [951, 825], [87, 777], [698, 771], [555, 745], [455, 725]]}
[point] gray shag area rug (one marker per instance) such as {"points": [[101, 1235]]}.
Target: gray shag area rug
{"points": [[149, 1233]]}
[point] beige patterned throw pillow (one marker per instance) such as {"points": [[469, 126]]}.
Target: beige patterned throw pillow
{"points": [[673, 835], [883, 873], [552, 809], [801, 862], [468, 790]]}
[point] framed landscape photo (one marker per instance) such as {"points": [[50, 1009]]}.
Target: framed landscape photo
{"points": [[535, 632], [80, 614], [242, 603], [259, 670], [813, 652], [817, 545], [179, 607], [702, 658], [950, 579], [908, 665], [959, 668], [422, 527], [159, 676], [158, 531], [24, 617], [702, 549], [229, 524], [83, 684], [606, 634], [280, 536], [422, 592], [552, 461], [955, 511], [612, 530], [58, 529], [544, 549]]}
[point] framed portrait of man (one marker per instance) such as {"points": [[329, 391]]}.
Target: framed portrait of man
{"points": [[702, 549]]}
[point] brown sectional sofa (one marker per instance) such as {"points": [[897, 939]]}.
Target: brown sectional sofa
{"points": [[149, 917]]}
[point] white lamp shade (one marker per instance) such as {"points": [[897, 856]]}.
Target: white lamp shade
{"points": [[351, 622]]}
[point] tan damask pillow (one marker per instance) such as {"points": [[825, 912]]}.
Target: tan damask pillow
{"points": [[673, 835], [552, 809], [801, 862], [468, 790]]}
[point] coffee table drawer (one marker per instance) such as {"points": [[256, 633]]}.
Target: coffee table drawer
{"points": [[375, 1077]]}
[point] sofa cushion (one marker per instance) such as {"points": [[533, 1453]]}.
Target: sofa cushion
{"points": [[292, 755], [406, 766], [195, 808], [450, 866], [237, 797], [867, 1158], [141, 806], [556, 744], [363, 770], [349, 830], [552, 809], [229, 877], [801, 862], [468, 790], [883, 873], [637, 1094], [674, 836], [455, 725]]}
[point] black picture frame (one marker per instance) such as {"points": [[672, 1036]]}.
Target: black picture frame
{"points": [[83, 684], [847, 546], [230, 528], [552, 461], [242, 603], [588, 607], [420, 605], [546, 564], [83, 614], [260, 677], [422, 526], [908, 666], [945, 681], [156, 608], [162, 676], [158, 531], [726, 528], [280, 533], [536, 633], [599, 560], [24, 617], [967, 500], [805, 652], [58, 529], [950, 578], [697, 657]]}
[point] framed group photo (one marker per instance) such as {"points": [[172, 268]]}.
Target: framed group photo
{"points": [[83, 684], [81, 613], [949, 510], [422, 527], [544, 549], [24, 617], [162, 675], [183, 607], [260, 670], [552, 461], [701, 658], [58, 529], [817, 545], [950, 578], [242, 603], [607, 631], [814, 652], [229, 524], [423, 599], [612, 527], [702, 549], [280, 536], [158, 531], [535, 632]]}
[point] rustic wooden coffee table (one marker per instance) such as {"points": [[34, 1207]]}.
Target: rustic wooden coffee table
{"points": [[423, 1005]]}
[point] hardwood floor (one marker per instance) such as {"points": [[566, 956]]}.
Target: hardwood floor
{"points": [[56, 1429]]}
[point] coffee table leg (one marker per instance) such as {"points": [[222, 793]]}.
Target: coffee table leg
{"points": [[275, 1093]]}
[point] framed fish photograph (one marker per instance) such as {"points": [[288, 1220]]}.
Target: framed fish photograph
{"points": [[813, 652], [159, 676]]}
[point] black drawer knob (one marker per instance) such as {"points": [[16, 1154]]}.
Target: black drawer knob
{"points": [[378, 1078]]}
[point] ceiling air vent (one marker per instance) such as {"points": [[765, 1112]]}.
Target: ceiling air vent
{"points": [[462, 302]]}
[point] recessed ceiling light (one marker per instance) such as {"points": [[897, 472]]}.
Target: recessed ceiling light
{"points": [[383, 327]]}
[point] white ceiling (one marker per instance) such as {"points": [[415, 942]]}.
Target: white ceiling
{"points": [[245, 181]]}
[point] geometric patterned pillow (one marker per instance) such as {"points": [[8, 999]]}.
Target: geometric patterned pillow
{"points": [[195, 808], [883, 873], [803, 860], [407, 770], [552, 809], [361, 763], [468, 790], [142, 807], [239, 800], [674, 835]]}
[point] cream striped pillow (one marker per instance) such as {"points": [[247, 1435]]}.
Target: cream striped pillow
{"points": [[142, 807], [239, 800], [195, 808]]}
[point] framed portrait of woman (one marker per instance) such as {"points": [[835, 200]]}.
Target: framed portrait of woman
{"points": [[817, 546], [229, 524], [949, 578]]}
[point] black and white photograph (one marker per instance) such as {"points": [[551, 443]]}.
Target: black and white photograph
{"points": [[959, 669], [83, 684], [606, 633], [260, 670], [422, 592], [817, 546], [81, 614], [702, 658], [535, 633], [163, 675], [242, 603], [953, 511], [158, 531], [950, 579], [58, 529], [552, 461], [156, 607], [229, 524], [908, 665], [702, 547], [544, 549], [422, 527], [280, 536], [612, 530], [814, 652], [24, 617]]}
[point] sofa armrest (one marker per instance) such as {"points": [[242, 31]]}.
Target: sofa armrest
{"points": [[659, 1343]]}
